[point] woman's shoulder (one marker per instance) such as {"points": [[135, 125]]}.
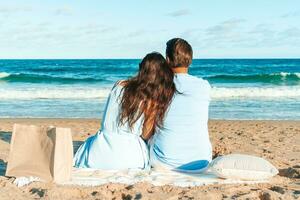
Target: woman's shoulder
{"points": [[120, 83], [118, 86]]}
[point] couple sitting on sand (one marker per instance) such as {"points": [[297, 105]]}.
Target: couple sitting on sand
{"points": [[157, 118]]}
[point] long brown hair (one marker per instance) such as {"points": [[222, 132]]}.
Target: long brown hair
{"points": [[149, 93]]}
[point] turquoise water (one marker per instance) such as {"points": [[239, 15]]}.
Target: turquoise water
{"points": [[242, 88]]}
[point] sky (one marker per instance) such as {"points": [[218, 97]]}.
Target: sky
{"points": [[133, 28]]}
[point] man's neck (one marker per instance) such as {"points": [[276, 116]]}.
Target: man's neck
{"points": [[180, 70]]}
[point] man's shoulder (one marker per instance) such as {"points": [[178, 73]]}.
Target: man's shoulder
{"points": [[200, 82]]}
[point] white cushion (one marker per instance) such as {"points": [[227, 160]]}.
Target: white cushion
{"points": [[242, 167]]}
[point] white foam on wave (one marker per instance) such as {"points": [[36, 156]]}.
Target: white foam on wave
{"points": [[100, 93], [284, 74], [256, 92], [4, 74], [50, 93]]}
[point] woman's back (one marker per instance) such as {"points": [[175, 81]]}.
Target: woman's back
{"points": [[110, 121], [115, 146]]}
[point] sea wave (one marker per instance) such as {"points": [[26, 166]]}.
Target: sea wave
{"points": [[101, 93], [51, 93], [256, 92], [42, 78], [282, 78], [284, 74], [4, 74], [273, 78]]}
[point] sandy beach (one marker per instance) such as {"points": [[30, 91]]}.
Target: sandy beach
{"points": [[276, 141]]}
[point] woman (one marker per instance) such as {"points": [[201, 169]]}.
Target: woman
{"points": [[134, 110]]}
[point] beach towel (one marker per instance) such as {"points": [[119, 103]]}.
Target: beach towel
{"points": [[91, 177], [43, 153], [86, 177]]}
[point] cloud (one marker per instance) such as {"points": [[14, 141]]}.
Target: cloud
{"points": [[14, 9], [94, 29], [262, 30], [189, 33], [292, 33], [224, 33], [179, 13], [225, 26], [291, 14], [64, 11], [234, 34], [136, 33], [57, 35]]}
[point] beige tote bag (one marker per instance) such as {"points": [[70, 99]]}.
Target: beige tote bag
{"points": [[36, 151], [62, 154]]}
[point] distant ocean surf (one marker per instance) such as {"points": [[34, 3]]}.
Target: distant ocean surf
{"points": [[241, 88]]}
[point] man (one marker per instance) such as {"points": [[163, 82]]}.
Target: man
{"points": [[183, 143]]}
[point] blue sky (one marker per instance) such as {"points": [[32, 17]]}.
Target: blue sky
{"points": [[132, 28]]}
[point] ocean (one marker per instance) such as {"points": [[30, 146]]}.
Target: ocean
{"points": [[241, 88]]}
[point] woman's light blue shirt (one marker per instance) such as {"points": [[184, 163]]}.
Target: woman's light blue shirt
{"points": [[184, 143], [114, 146]]}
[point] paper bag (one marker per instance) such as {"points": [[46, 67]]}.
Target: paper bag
{"points": [[38, 152], [30, 152], [62, 155]]}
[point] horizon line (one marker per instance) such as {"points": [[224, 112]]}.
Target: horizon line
{"points": [[225, 58]]}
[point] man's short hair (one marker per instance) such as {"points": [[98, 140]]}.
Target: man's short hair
{"points": [[179, 53]]}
